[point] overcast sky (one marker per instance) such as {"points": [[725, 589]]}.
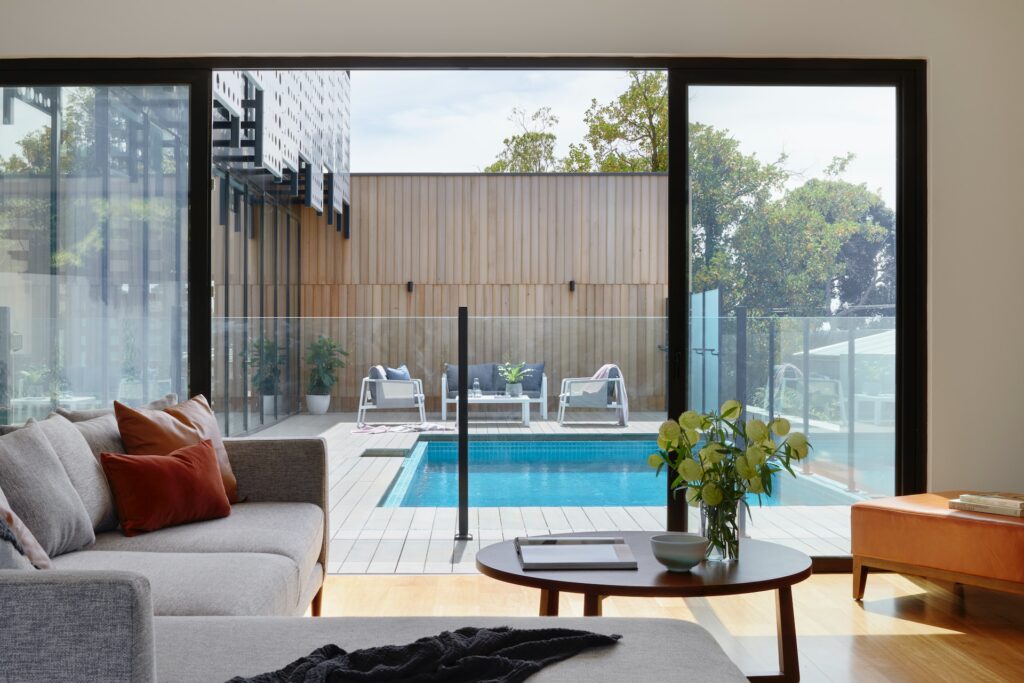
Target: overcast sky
{"points": [[454, 121]]}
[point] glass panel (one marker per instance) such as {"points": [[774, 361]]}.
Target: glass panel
{"points": [[793, 280], [93, 257]]}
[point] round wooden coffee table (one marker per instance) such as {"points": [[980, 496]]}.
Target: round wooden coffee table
{"points": [[762, 566]]}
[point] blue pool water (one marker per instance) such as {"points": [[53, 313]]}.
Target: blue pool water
{"points": [[532, 473]]}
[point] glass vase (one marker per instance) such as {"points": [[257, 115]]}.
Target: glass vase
{"points": [[723, 526]]}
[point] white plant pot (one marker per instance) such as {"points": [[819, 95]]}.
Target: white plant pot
{"points": [[269, 403], [318, 405], [514, 390]]}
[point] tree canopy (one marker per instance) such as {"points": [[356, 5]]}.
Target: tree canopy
{"points": [[824, 247]]}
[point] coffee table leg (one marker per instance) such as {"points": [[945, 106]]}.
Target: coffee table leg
{"points": [[789, 663], [548, 603], [592, 605], [526, 413]]}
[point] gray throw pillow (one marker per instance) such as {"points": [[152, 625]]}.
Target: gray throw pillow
{"points": [[41, 494], [82, 415], [102, 435], [401, 372], [83, 469]]}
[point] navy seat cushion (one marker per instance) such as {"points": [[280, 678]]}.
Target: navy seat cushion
{"points": [[531, 383], [487, 373], [401, 372], [376, 372]]}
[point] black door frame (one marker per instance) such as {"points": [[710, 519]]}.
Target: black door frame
{"points": [[906, 75]]}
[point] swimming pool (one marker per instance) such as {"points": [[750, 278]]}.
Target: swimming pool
{"points": [[532, 473]]}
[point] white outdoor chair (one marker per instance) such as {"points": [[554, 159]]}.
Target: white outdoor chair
{"points": [[587, 392], [390, 394]]}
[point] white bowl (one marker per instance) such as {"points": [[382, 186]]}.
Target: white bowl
{"points": [[679, 552]]}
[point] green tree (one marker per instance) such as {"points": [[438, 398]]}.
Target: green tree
{"points": [[630, 134], [532, 149]]}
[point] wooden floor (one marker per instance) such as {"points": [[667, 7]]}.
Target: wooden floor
{"points": [[368, 538], [905, 630]]}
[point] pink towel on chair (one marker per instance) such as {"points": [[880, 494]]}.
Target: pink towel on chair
{"points": [[604, 372]]}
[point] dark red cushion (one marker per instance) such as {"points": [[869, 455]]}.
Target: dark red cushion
{"points": [[156, 491]]}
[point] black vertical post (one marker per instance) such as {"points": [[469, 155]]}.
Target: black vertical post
{"points": [[851, 405], [741, 355], [463, 533], [678, 254], [806, 369]]}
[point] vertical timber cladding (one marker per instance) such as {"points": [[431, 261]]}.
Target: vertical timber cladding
{"points": [[506, 246]]}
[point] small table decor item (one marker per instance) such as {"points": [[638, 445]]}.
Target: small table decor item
{"points": [[513, 374], [718, 458], [679, 552]]}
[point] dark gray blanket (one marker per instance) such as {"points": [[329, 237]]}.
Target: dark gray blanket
{"points": [[498, 655]]}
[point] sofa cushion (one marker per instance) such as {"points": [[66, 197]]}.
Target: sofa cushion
{"points": [[101, 434], [214, 584], [401, 372], [85, 415], [158, 432], [83, 469], [40, 492], [200, 650], [158, 491], [487, 373], [292, 530], [532, 382]]}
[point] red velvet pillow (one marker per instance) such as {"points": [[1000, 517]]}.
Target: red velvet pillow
{"points": [[156, 491], [158, 432]]}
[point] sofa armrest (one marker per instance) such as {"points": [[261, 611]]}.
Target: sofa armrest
{"points": [[280, 470], [76, 626], [283, 471]]}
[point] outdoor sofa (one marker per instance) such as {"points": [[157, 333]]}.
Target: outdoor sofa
{"points": [[535, 385]]}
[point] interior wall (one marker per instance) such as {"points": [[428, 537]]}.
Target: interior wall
{"points": [[975, 104]]}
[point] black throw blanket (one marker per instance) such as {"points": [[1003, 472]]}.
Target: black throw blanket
{"points": [[498, 655]]}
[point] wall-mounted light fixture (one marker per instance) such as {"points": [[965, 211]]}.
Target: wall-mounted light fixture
{"points": [[408, 286], [572, 285]]}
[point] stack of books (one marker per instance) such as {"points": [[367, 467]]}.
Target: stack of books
{"points": [[1008, 504]]}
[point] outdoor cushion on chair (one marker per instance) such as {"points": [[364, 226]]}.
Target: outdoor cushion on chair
{"points": [[401, 372]]}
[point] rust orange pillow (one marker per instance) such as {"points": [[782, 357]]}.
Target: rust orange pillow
{"points": [[159, 432], [156, 491]]}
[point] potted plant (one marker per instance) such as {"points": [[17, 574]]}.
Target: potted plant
{"points": [[324, 357], [267, 357], [718, 459], [513, 375]]}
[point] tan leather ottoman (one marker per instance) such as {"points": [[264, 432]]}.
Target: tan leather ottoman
{"points": [[920, 535]]}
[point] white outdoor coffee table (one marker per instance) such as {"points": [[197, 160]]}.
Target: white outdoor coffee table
{"points": [[500, 399]]}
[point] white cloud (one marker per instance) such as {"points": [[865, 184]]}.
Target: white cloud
{"points": [[454, 121]]}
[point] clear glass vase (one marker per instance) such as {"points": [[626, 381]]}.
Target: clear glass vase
{"points": [[723, 525]]}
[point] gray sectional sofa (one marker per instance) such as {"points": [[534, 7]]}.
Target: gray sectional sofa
{"points": [[211, 600]]}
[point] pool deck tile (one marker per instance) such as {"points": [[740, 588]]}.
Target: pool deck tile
{"points": [[367, 539]]}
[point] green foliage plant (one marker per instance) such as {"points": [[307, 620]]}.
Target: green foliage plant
{"points": [[324, 357], [513, 373]]}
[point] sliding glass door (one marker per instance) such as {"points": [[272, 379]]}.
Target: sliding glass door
{"points": [[94, 225], [793, 286]]}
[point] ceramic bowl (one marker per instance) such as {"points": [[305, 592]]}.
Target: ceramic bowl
{"points": [[679, 552]]}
